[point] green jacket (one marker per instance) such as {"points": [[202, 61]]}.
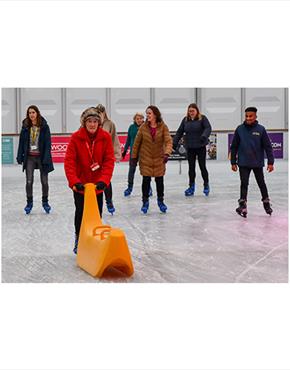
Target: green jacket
{"points": [[132, 132]]}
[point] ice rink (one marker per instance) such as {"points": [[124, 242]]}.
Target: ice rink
{"points": [[199, 240]]}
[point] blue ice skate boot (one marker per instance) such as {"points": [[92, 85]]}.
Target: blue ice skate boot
{"points": [[29, 205], [162, 206], [206, 190], [150, 192], [45, 204], [110, 207], [46, 207], [75, 250], [128, 191], [145, 206], [190, 191]]}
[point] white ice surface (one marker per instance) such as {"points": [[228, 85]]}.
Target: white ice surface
{"points": [[200, 239]]}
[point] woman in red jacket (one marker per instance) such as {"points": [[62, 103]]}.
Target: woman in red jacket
{"points": [[89, 159]]}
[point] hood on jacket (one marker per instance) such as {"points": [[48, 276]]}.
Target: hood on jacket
{"points": [[25, 123]]}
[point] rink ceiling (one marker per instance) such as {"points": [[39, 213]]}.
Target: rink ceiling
{"points": [[199, 240]]}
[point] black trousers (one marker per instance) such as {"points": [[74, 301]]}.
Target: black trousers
{"points": [[259, 175], [79, 204], [34, 162], [131, 174], [146, 187], [200, 153], [108, 193]]}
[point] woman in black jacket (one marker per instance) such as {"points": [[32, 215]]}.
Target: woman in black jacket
{"points": [[197, 130], [34, 152]]}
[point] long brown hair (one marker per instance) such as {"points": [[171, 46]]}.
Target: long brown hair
{"points": [[198, 116], [156, 112], [38, 118]]}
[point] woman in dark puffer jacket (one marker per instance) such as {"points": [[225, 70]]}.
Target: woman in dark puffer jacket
{"points": [[197, 129], [34, 152]]}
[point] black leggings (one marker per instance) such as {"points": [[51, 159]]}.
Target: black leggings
{"points": [[146, 187], [131, 174], [109, 193], [200, 153], [259, 175], [34, 162], [79, 204]]}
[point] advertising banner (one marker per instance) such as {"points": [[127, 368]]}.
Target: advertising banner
{"points": [[7, 150], [58, 148], [211, 149], [276, 139], [180, 153], [277, 143], [122, 139]]}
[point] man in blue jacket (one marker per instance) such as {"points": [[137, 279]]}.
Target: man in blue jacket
{"points": [[247, 151]]}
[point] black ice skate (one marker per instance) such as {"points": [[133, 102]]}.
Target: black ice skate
{"points": [[267, 206], [242, 209]]}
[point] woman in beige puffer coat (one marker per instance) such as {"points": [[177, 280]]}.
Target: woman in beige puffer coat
{"points": [[110, 127], [152, 147]]}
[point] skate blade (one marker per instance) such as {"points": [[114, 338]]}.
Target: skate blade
{"points": [[242, 214]]}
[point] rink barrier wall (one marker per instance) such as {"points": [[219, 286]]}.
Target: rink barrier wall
{"points": [[60, 141]]}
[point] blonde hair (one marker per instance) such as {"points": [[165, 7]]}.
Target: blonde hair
{"points": [[138, 114]]}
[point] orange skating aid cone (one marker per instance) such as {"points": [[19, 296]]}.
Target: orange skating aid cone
{"points": [[101, 246]]}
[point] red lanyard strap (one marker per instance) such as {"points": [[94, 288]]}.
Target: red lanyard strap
{"points": [[91, 151]]}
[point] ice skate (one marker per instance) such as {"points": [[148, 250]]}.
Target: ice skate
{"points": [[46, 207], [145, 206], [267, 206], [190, 191], [128, 191], [206, 190], [162, 206], [110, 207], [242, 209], [29, 205]]}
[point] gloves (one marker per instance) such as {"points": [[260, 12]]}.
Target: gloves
{"points": [[101, 185], [134, 161], [79, 186], [19, 161], [124, 154], [165, 158]]}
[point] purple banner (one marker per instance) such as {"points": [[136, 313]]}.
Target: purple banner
{"points": [[277, 143], [276, 139]]}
